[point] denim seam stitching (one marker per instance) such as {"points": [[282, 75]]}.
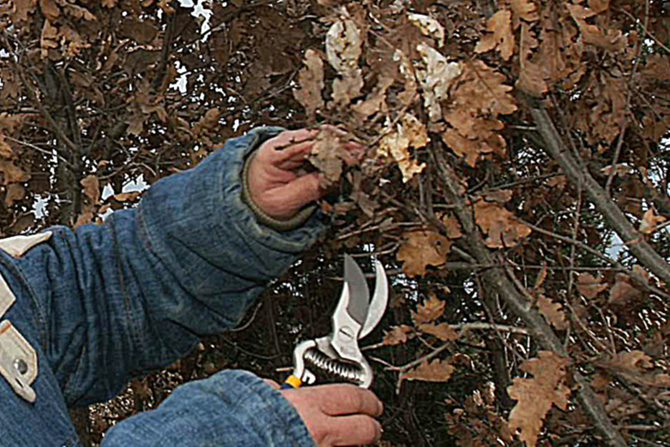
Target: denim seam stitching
{"points": [[144, 237], [38, 315]]}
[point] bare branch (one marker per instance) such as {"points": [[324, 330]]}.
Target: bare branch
{"points": [[579, 175], [518, 303]]}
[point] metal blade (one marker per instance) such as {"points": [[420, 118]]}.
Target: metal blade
{"points": [[359, 295], [379, 301]]}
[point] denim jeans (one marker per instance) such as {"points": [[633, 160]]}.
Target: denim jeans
{"points": [[104, 303]]}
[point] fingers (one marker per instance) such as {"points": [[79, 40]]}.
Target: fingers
{"points": [[356, 430], [272, 383], [290, 137], [302, 190], [340, 415], [343, 399], [293, 156], [289, 149]]}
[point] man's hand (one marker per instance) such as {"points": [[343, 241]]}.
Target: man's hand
{"points": [[278, 182], [338, 415]]}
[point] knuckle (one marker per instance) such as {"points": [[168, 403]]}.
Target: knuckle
{"points": [[329, 440], [372, 431], [355, 399]]}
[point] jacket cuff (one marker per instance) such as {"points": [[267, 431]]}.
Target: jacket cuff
{"points": [[243, 216], [262, 218], [231, 408]]}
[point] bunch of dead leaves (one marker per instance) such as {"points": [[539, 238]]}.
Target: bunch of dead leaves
{"points": [[429, 370], [502, 229]]}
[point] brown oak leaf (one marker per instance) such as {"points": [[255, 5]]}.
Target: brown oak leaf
{"points": [[532, 77], [21, 9], [499, 35], [6, 150], [49, 9], [12, 173], [599, 6], [49, 38], [524, 9], [131, 196], [397, 335], [463, 147], [376, 100], [483, 89], [631, 360], [15, 192], [452, 225], [608, 39], [498, 224], [536, 395], [443, 331], [623, 291], [650, 220], [429, 311], [552, 312], [329, 156], [435, 371], [91, 188], [311, 83], [421, 248], [637, 367], [590, 286]]}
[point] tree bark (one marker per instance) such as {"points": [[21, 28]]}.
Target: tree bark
{"points": [[496, 278]]}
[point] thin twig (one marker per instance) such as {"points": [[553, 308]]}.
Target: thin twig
{"points": [[645, 427], [600, 255], [462, 329], [251, 320], [586, 330], [646, 31], [500, 282], [33, 97], [578, 174], [420, 360], [43, 151], [376, 228], [607, 329], [575, 231]]}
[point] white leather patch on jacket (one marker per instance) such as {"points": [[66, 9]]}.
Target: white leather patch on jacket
{"points": [[18, 361], [7, 297], [17, 245]]}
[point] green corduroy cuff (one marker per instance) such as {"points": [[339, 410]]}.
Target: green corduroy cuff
{"points": [[262, 218]]}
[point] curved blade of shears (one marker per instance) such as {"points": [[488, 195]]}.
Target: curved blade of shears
{"points": [[359, 295], [379, 300]]}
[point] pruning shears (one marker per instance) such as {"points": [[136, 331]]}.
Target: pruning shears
{"points": [[355, 317]]}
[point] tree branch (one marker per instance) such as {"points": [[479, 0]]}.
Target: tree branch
{"points": [[619, 267], [579, 175], [518, 303], [33, 97]]}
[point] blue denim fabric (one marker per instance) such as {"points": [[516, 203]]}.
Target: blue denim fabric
{"points": [[105, 303]]}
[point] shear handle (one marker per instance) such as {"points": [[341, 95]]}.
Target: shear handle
{"points": [[300, 373]]}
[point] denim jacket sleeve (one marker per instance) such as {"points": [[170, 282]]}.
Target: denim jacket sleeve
{"points": [[135, 293], [231, 408]]}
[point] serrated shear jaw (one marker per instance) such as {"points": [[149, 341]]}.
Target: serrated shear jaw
{"points": [[354, 317]]}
